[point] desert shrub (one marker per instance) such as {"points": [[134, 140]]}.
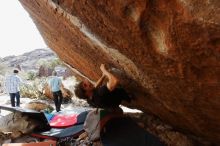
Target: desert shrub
{"points": [[34, 89], [49, 63], [31, 75], [55, 63]]}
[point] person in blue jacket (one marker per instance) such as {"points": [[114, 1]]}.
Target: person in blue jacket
{"points": [[55, 85]]}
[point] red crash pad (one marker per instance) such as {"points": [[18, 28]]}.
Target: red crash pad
{"points": [[62, 121]]}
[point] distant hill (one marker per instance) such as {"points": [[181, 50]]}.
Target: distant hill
{"points": [[29, 60]]}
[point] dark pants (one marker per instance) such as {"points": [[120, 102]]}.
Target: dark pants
{"points": [[12, 96], [58, 97]]}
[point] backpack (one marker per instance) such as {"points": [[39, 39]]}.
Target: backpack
{"points": [[96, 120]]}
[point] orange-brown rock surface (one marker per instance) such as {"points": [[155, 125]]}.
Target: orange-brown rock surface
{"points": [[169, 51]]}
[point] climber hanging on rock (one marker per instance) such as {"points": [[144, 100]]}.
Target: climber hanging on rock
{"points": [[108, 96], [105, 98]]}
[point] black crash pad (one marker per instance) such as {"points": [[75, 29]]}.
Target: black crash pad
{"points": [[55, 133]]}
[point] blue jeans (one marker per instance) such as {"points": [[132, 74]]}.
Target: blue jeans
{"points": [[13, 96]]}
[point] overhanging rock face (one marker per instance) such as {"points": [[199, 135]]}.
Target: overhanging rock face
{"points": [[169, 52]]}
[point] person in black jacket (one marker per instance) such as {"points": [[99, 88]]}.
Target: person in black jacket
{"points": [[97, 95]]}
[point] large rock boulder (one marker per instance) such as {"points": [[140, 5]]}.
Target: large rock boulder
{"points": [[38, 105], [44, 71], [17, 124], [67, 94], [167, 51]]}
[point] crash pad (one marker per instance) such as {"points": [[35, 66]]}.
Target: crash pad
{"points": [[63, 120], [125, 132], [82, 117], [56, 133], [35, 115], [49, 116], [46, 143]]}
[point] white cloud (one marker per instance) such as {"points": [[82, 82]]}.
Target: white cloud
{"points": [[18, 34]]}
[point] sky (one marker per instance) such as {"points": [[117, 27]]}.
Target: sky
{"points": [[18, 33]]}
